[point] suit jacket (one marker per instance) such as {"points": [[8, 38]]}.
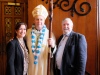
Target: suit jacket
{"points": [[74, 56], [15, 58]]}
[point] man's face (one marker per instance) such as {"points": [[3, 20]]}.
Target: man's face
{"points": [[67, 26], [39, 22]]}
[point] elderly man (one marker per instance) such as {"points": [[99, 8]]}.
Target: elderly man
{"points": [[37, 42], [71, 55]]}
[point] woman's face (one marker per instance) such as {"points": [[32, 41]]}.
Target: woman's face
{"points": [[21, 32], [39, 22]]}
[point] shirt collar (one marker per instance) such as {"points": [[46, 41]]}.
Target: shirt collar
{"points": [[67, 34]]}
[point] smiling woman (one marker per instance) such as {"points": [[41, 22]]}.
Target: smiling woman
{"points": [[20, 30], [17, 52]]}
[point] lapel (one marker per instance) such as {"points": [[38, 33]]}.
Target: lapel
{"points": [[68, 43], [19, 48], [69, 39]]}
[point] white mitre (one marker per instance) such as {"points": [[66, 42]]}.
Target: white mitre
{"points": [[40, 10]]}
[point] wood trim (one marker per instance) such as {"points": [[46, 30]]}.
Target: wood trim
{"points": [[0, 13], [98, 38], [13, 1], [0, 31], [6, 0], [25, 9]]}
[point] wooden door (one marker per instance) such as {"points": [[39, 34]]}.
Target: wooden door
{"points": [[11, 14]]}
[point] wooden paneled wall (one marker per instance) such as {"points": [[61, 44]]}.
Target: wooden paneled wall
{"points": [[86, 25], [11, 23], [98, 37]]}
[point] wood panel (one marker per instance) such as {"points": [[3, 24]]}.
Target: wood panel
{"points": [[0, 32], [98, 38], [91, 34], [31, 5], [6, 0], [17, 12], [56, 25], [1, 67], [86, 25], [14, 0]]}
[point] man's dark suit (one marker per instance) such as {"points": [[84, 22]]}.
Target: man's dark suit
{"points": [[74, 56], [15, 58]]}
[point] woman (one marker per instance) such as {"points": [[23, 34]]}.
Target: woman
{"points": [[17, 53]]}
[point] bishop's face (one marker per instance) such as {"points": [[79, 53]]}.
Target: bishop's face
{"points": [[67, 27], [39, 22]]}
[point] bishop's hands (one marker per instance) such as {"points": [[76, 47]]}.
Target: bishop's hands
{"points": [[51, 42]]}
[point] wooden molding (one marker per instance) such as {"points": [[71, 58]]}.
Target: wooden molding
{"points": [[98, 39], [10, 3]]}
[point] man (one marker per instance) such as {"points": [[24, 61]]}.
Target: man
{"points": [[71, 55], [37, 41]]}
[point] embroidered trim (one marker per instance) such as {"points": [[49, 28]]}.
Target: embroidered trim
{"points": [[36, 49]]}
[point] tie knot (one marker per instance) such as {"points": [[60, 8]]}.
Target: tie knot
{"points": [[65, 35]]}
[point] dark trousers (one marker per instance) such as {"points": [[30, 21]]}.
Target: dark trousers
{"points": [[57, 72]]}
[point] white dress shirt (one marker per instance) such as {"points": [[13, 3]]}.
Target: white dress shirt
{"points": [[61, 47]]}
